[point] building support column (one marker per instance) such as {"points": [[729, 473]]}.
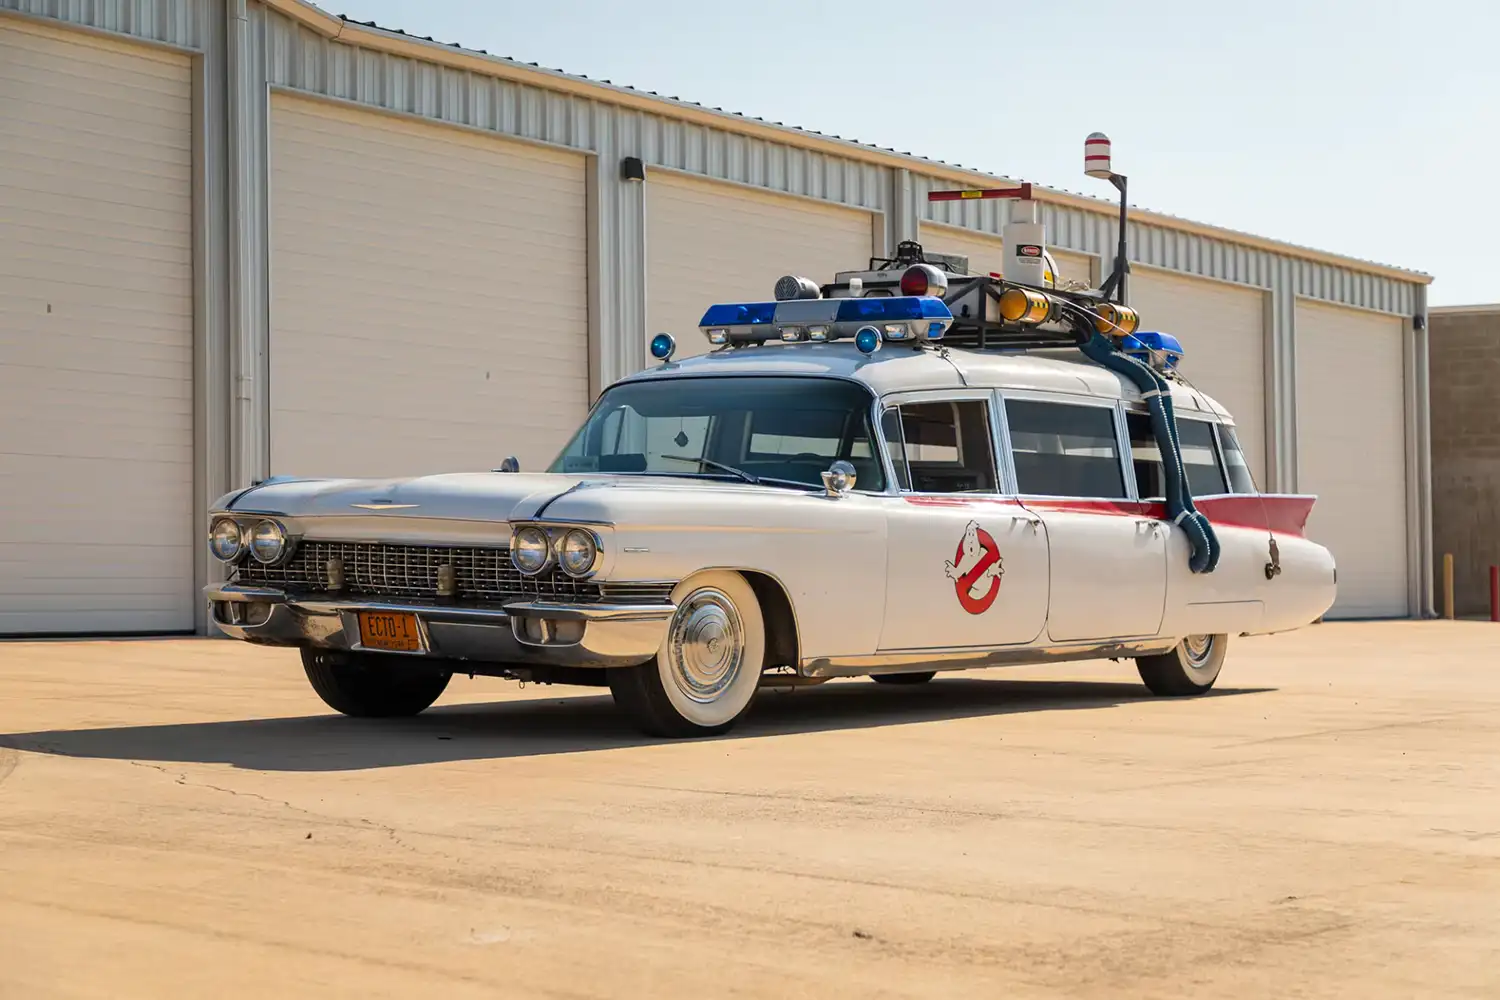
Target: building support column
{"points": [[212, 347], [1281, 381], [903, 218], [246, 113], [616, 177]]}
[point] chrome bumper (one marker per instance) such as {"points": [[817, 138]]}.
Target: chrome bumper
{"points": [[534, 633]]}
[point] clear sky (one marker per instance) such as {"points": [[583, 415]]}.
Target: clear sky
{"points": [[1361, 127]]}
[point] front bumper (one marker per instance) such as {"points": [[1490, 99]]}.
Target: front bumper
{"points": [[530, 633]]}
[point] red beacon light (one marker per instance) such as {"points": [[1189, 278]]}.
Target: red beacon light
{"points": [[923, 279]]}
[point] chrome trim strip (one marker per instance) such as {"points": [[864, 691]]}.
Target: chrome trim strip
{"points": [[901, 661], [592, 612]]}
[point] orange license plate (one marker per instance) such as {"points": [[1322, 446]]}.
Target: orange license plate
{"points": [[393, 631]]}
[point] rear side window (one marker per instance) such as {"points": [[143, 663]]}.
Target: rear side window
{"points": [[1064, 450], [941, 446], [1199, 459], [1240, 480]]}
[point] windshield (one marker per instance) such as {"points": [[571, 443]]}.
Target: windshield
{"points": [[765, 427]]}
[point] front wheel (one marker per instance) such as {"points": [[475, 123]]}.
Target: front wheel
{"points": [[708, 669], [1191, 668], [370, 685]]}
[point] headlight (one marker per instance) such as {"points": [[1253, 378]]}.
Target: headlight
{"points": [[267, 541], [530, 550], [224, 540], [578, 552]]}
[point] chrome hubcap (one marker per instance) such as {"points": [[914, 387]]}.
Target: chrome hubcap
{"points": [[1198, 649], [706, 645]]}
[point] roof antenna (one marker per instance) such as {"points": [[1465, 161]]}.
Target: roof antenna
{"points": [[1096, 163]]}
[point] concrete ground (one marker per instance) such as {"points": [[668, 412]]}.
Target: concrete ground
{"points": [[184, 818]]}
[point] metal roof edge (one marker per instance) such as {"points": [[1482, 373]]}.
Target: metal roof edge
{"points": [[1477, 309], [397, 42]]}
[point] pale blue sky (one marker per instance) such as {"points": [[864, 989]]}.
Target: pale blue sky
{"points": [[1361, 128]]}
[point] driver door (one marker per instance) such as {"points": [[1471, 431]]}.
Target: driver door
{"points": [[967, 563]]}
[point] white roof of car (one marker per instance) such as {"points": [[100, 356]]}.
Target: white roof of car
{"points": [[901, 369]]}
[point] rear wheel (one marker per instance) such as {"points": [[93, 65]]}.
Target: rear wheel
{"points": [[921, 677], [1191, 668], [708, 669], [372, 685]]}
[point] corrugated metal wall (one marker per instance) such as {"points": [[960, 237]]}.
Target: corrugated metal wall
{"points": [[249, 49]]}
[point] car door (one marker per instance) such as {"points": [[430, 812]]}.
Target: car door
{"points": [[967, 565], [1107, 554]]}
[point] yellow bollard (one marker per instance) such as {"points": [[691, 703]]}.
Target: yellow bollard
{"points": [[1448, 585]]}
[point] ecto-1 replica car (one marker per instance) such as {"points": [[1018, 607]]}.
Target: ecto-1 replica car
{"points": [[908, 470]]}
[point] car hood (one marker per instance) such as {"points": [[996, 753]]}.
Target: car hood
{"points": [[487, 496]]}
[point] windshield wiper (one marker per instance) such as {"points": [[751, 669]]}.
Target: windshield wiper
{"points": [[747, 477], [716, 465]]}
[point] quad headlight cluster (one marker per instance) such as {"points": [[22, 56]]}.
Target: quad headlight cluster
{"points": [[534, 549], [262, 539]]}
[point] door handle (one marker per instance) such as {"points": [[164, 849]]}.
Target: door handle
{"points": [[1149, 522], [1026, 519]]}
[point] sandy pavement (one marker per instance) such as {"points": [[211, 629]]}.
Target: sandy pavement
{"points": [[184, 819]]}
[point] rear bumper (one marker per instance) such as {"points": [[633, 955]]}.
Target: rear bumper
{"points": [[523, 633]]}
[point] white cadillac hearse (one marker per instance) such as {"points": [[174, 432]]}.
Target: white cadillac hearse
{"points": [[908, 470]]}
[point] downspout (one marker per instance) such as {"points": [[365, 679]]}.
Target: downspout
{"points": [[1423, 421]]}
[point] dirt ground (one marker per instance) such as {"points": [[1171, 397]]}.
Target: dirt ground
{"points": [[184, 818]]}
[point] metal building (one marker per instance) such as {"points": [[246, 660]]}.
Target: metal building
{"points": [[245, 238]]}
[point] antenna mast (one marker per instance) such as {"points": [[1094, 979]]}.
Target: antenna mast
{"points": [[1096, 163]]}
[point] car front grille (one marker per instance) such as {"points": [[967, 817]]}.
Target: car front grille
{"points": [[483, 575]]}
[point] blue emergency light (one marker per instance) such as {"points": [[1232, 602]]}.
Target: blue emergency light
{"points": [[910, 318], [1161, 351]]}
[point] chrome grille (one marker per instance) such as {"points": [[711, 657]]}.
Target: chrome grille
{"points": [[411, 571], [637, 593]]}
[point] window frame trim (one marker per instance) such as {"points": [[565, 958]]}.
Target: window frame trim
{"points": [[1114, 404], [894, 400]]}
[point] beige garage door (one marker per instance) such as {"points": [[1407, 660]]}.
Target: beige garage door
{"points": [[987, 253], [96, 434], [1351, 451], [428, 296], [1222, 330], [708, 243]]}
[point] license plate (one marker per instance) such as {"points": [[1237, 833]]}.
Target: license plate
{"points": [[393, 631]]}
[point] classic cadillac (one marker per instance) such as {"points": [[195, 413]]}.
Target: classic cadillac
{"points": [[907, 471]]}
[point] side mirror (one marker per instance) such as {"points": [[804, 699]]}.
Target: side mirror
{"points": [[511, 464], [839, 479]]}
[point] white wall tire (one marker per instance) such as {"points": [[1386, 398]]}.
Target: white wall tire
{"points": [[1191, 668], [708, 669]]}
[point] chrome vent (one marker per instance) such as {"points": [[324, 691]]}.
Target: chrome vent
{"points": [[412, 571]]}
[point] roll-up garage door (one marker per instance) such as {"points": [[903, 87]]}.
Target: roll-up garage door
{"points": [[1351, 451], [987, 253], [428, 296], [96, 396], [708, 243], [1222, 330]]}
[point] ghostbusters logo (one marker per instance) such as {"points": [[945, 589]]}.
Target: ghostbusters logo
{"points": [[976, 570]]}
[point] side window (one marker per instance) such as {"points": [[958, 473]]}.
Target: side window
{"points": [[1240, 480], [1198, 457], [942, 447], [1064, 449]]}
